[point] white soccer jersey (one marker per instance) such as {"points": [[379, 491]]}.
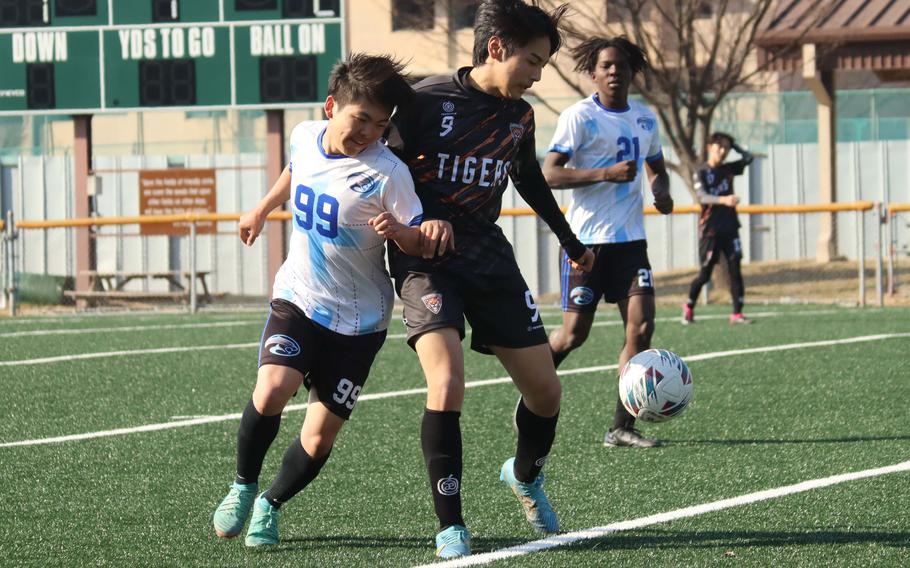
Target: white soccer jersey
{"points": [[335, 270], [594, 136]]}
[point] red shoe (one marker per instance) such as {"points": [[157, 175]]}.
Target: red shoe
{"points": [[688, 316], [739, 318]]}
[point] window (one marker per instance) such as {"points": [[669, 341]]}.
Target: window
{"points": [[412, 14], [462, 13]]}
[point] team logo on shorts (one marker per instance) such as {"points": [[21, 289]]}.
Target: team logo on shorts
{"points": [[433, 302], [448, 107], [518, 130], [646, 123], [581, 295], [282, 345], [447, 486]]}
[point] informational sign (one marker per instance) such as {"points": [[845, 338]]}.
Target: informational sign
{"points": [[173, 192], [91, 56]]}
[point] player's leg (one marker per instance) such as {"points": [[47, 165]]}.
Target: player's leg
{"points": [[580, 294], [505, 321], [708, 257], [300, 465], [637, 311], [442, 360], [536, 416], [336, 378], [259, 424], [280, 376], [734, 253], [434, 318]]}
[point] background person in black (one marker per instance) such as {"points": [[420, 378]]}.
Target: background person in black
{"points": [[718, 225], [464, 137]]}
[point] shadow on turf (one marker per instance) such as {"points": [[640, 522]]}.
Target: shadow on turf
{"points": [[741, 539], [750, 442], [411, 543]]}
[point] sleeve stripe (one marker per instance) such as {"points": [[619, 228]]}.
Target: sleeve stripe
{"points": [[659, 155], [416, 221], [561, 149]]}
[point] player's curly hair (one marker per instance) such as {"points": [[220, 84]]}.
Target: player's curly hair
{"points": [[586, 53], [516, 23], [376, 78]]}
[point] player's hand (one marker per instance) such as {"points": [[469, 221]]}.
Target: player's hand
{"points": [[729, 200], [621, 172], [663, 202], [585, 263], [250, 225], [437, 237], [385, 225]]}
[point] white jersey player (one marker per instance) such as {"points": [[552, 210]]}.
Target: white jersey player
{"points": [[601, 148], [594, 136], [332, 296], [335, 270]]}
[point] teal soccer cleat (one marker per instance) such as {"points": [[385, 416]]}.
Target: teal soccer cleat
{"points": [[532, 498], [264, 524], [231, 514], [453, 542]]}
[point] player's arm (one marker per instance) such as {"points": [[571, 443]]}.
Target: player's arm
{"points": [[252, 221], [532, 186], [660, 183], [558, 176], [427, 239], [704, 197]]}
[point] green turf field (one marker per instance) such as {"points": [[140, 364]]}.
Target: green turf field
{"points": [[760, 421]]}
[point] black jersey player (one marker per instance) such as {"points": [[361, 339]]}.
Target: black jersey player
{"points": [[718, 225], [465, 136]]}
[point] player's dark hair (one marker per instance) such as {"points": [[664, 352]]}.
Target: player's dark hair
{"points": [[586, 53], [376, 78], [516, 23], [720, 137]]}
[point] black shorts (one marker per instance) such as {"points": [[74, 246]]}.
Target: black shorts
{"points": [[620, 270], [710, 247], [337, 365], [499, 308]]}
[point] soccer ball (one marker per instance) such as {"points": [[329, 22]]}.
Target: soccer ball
{"points": [[655, 385]]}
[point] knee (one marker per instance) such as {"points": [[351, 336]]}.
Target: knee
{"points": [[573, 338], [445, 392], [640, 334], [271, 396], [318, 445], [545, 399]]}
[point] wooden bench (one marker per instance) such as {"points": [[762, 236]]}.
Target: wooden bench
{"points": [[110, 285]]}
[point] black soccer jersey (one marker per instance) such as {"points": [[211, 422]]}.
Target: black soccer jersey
{"points": [[462, 146], [716, 182]]}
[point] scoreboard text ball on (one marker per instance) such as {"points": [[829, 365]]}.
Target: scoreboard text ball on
{"points": [[92, 56]]}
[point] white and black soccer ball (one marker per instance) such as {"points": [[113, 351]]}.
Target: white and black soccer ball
{"points": [[655, 385]]}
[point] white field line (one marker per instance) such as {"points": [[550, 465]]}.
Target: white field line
{"points": [[161, 350], [471, 384], [695, 510], [74, 331]]}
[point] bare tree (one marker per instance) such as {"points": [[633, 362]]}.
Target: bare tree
{"points": [[699, 52]]}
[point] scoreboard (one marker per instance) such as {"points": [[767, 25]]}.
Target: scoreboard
{"points": [[95, 56]]}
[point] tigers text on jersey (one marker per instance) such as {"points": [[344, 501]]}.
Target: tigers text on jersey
{"points": [[335, 270], [462, 146], [594, 136]]}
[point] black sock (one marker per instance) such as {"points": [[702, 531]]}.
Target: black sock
{"points": [[558, 356], [298, 469], [622, 418], [440, 438], [255, 435], [535, 438]]}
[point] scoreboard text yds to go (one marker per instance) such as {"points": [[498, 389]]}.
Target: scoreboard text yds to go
{"points": [[92, 56]]}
